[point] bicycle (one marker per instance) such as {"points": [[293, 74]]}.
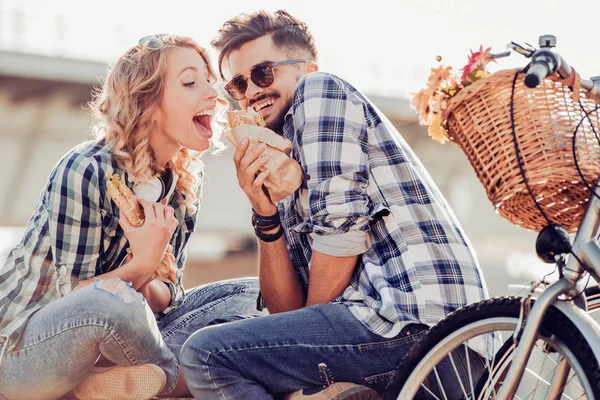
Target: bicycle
{"points": [[551, 323]]}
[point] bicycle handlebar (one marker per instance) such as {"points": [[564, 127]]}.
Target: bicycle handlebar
{"points": [[546, 62]]}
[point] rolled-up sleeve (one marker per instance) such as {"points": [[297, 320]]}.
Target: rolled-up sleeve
{"points": [[187, 225], [177, 291], [332, 134]]}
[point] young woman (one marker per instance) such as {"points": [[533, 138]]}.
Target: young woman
{"points": [[69, 293]]}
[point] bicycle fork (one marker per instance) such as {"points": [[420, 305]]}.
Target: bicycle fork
{"points": [[528, 338]]}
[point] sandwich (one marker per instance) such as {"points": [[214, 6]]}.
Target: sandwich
{"points": [[129, 205], [285, 173]]}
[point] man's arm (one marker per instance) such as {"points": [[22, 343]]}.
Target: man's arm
{"points": [[329, 277], [331, 121], [279, 284]]}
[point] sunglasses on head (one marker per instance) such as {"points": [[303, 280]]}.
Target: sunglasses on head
{"points": [[154, 42], [262, 75]]}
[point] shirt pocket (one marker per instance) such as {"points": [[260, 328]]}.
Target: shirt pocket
{"points": [[109, 223], [113, 243]]}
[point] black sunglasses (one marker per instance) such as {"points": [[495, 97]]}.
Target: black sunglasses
{"points": [[154, 42], [262, 75]]}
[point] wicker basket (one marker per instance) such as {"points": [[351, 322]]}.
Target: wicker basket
{"points": [[478, 120]]}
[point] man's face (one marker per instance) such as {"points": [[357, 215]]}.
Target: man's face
{"points": [[274, 101]]}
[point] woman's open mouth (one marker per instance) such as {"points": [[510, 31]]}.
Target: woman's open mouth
{"points": [[202, 123]]}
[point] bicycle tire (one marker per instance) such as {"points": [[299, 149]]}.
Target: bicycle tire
{"points": [[555, 327]]}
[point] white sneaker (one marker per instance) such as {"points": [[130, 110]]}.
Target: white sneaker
{"points": [[141, 382]]}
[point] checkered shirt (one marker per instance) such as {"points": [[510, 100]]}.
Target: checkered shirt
{"points": [[365, 193], [73, 235]]}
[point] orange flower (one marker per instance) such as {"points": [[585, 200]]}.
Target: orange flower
{"points": [[439, 75], [420, 103], [436, 131]]}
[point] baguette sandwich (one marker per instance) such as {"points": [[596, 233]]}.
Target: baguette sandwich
{"points": [[129, 205]]}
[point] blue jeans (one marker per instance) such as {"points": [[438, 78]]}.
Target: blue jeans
{"points": [[262, 357], [63, 340]]}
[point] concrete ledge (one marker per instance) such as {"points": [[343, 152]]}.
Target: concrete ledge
{"points": [[51, 68]]}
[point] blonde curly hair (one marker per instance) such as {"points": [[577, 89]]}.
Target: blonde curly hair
{"points": [[124, 106]]}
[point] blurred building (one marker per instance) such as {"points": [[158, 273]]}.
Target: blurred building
{"points": [[43, 113]]}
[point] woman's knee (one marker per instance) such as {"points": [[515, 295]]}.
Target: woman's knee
{"points": [[250, 284], [236, 286], [116, 302]]}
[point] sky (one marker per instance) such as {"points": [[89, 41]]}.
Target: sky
{"points": [[383, 47]]}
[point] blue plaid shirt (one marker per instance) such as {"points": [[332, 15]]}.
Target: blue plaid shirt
{"points": [[73, 235], [365, 193]]}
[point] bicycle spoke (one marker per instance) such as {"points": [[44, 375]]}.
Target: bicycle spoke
{"points": [[510, 349], [437, 377], [583, 396], [462, 387], [492, 370], [494, 391], [553, 371], [469, 369], [430, 392], [572, 375], [540, 378], [494, 356], [575, 382]]}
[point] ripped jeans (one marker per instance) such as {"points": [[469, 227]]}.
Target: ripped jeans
{"points": [[63, 340]]}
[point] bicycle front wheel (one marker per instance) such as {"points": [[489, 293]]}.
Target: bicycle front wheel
{"points": [[467, 356]]}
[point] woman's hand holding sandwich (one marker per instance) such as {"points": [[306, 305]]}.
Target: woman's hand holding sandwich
{"points": [[148, 243]]}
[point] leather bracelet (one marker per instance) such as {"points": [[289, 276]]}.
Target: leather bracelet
{"points": [[269, 237], [261, 220], [266, 228]]}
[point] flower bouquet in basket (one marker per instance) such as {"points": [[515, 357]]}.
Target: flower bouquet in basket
{"points": [[443, 84], [536, 151]]}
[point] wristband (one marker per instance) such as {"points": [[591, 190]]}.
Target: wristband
{"points": [[269, 237], [260, 220], [266, 228]]}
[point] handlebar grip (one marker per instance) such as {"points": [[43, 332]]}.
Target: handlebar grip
{"points": [[536, 73]]}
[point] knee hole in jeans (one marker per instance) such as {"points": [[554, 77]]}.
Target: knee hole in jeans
{"points": [[119, 288]]}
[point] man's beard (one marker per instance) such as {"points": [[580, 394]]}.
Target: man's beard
{"points": [[275, 122]]}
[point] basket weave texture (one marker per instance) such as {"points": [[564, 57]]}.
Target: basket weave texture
{"points": [[478, 120]]}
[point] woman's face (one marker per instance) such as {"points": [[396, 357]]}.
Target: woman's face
{"points": [[184, 116]]}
